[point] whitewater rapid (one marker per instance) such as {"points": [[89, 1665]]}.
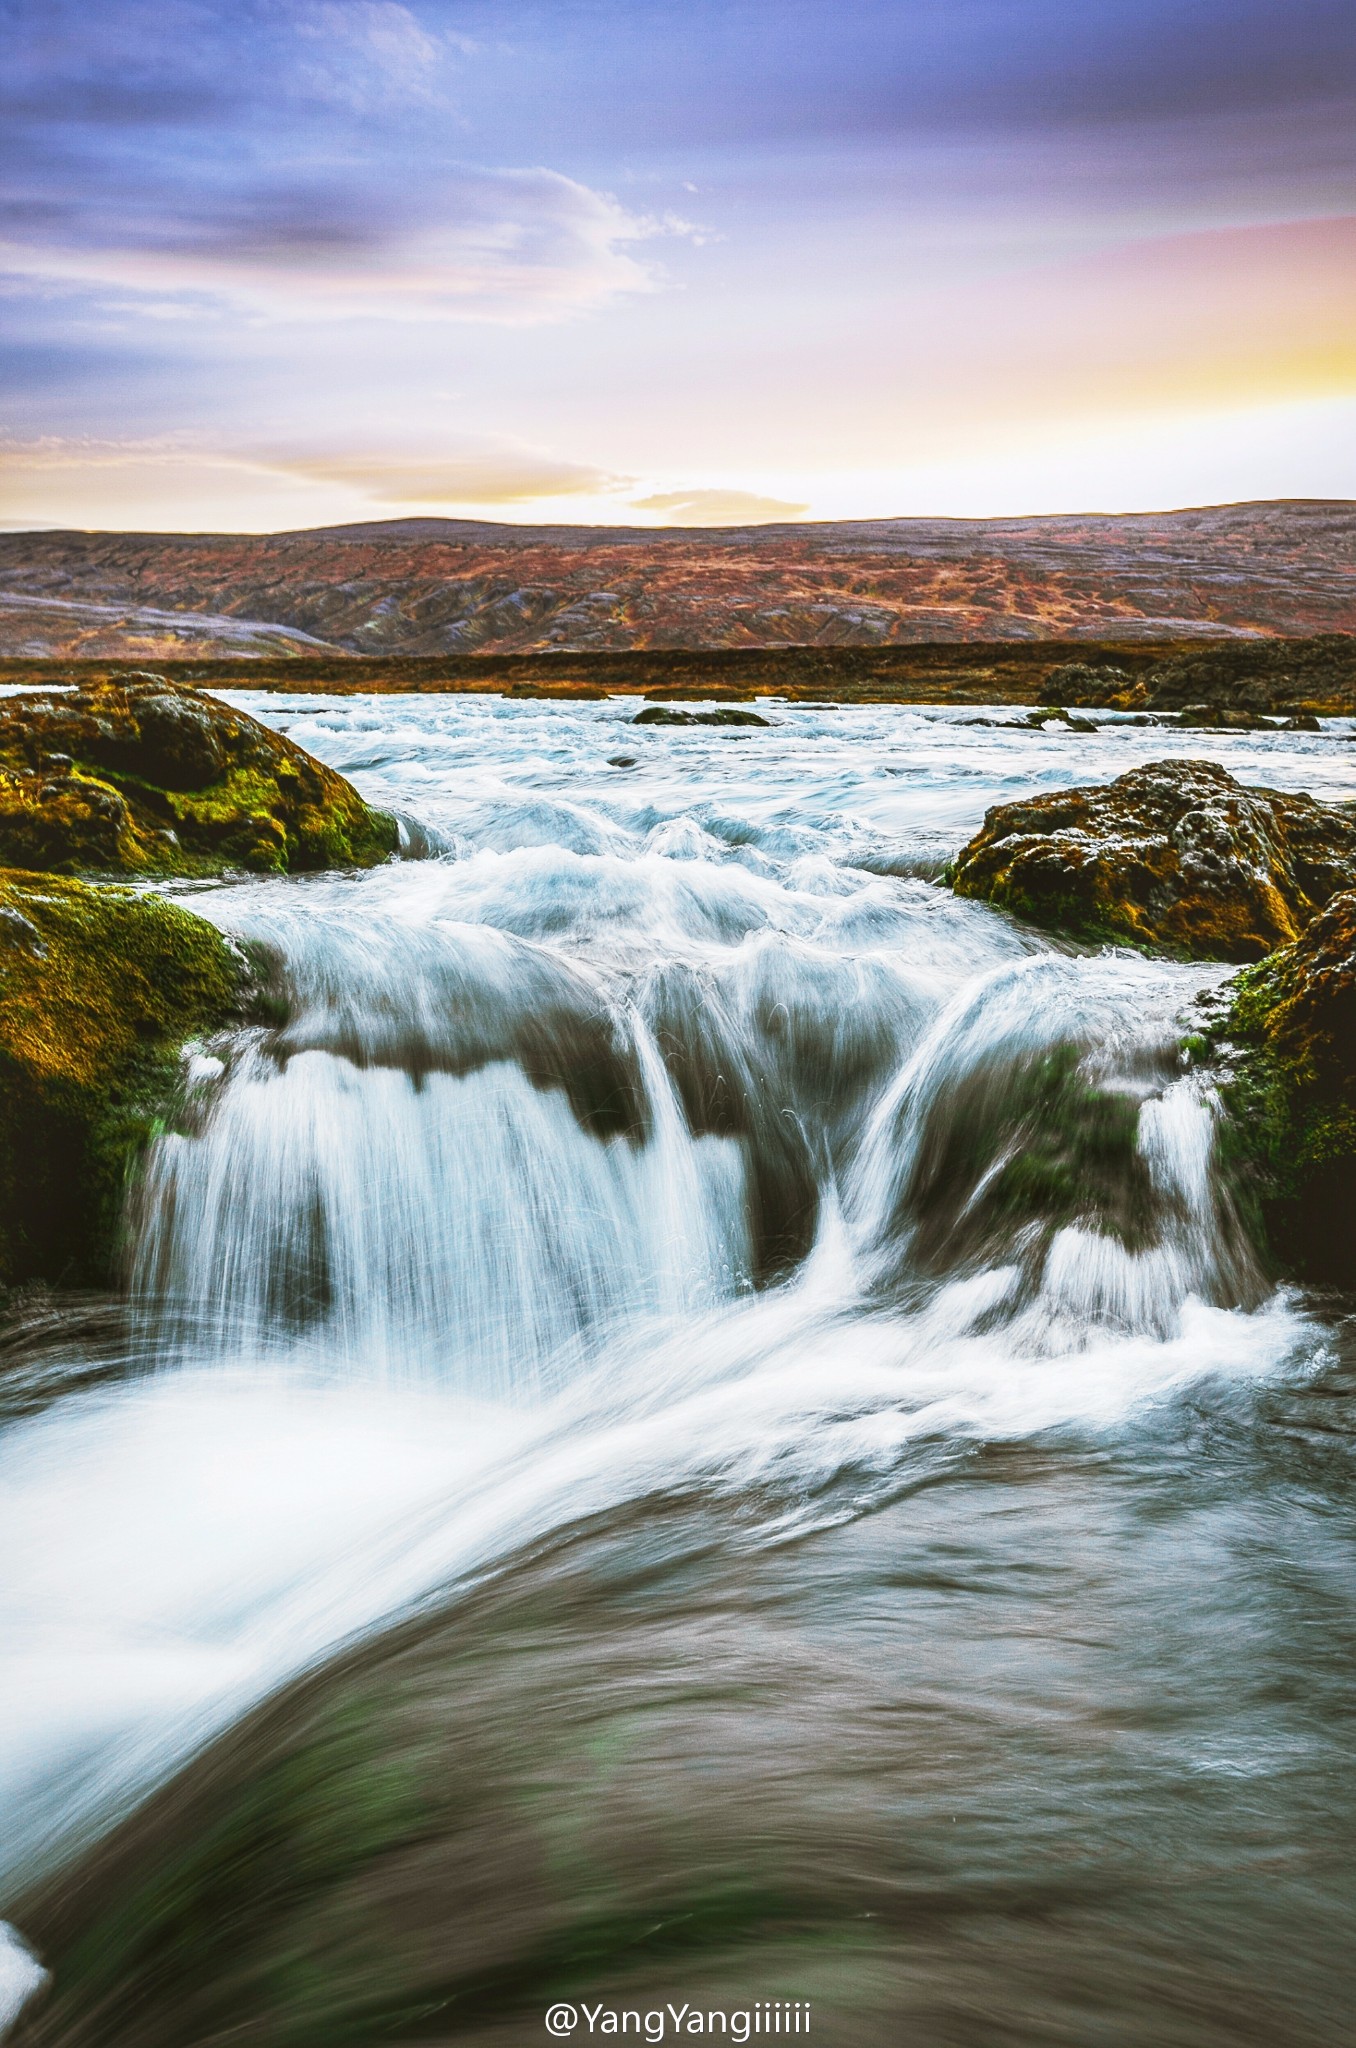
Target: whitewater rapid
{"points": [[605, 1151]]}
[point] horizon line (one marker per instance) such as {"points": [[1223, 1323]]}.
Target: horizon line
{"points": [[786, 526]]}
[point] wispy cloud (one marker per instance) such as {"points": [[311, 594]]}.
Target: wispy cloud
{"points": [[469, 243], [491, 477], [294, 157], [452, 234], [56, 470], [718, 507], [371, 55]]}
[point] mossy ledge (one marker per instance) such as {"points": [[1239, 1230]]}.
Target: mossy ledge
{"points": [[100, 990], [1287, 1041], [144, 776], [1015, 1150], [1174, 857]]}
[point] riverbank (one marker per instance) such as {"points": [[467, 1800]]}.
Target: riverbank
{"points": [[1316, 674]]}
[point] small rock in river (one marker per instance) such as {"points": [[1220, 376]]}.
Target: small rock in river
{"points": [[667, 714]]}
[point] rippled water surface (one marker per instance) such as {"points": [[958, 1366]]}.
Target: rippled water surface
{"points": [[694, 1423]]}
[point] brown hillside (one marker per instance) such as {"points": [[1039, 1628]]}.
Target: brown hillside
{"points": [[447, 587]]}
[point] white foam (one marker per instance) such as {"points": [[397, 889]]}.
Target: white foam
{"points": [[21, 1976]]}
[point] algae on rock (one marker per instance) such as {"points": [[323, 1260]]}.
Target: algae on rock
{"points": [[100, 988], [1176, 855], [1017, 1149], [1290, 1089], [143, 776]]}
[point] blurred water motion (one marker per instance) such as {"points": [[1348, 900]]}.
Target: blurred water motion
{"points": [[694, 1423]]}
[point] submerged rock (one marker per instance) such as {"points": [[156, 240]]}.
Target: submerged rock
{"points": [[1290, 1088], [1018, 1148], [1054, 714], [1231, 718], [1176, 855], [143, 776], [666, 714], [99, 990]]}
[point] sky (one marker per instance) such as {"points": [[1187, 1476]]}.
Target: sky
{"points": [[269, 264]]}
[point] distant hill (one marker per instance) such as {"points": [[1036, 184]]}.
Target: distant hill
{"points": [[419, 587]]}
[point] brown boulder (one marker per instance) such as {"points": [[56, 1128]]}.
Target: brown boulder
{"points": [[146, 776], [1176, 856]]}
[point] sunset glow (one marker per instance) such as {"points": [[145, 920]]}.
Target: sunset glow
{"points": [[291, 262]]}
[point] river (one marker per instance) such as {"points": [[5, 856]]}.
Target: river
{"points": [[693, 1426]]}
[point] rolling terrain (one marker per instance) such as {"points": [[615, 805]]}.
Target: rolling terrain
{"points": [[446, 588]]}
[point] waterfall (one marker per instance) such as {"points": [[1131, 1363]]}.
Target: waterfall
{"points": [[419, 1206], [461, 1160], [1043, 1128], [654, 1304]]}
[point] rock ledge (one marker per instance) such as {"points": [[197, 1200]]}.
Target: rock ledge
{"points": [[1176, 856], [100, 987]]}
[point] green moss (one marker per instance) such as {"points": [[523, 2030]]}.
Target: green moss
{"points": [[1077, 1155], [1031, 1144], [99, 991], [1076, 913], [144, 778], [1289, 1144], [259, 819]]}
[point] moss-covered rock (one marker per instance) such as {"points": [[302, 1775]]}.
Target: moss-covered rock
{"points": [[1290, 1087], [143, 776], [668, 714], [1175, 856], [99, 990], [1017, 1149]]}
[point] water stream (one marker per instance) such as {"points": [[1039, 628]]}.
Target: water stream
{"points": [[693, 1420]]}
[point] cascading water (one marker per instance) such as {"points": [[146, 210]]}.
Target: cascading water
{"points": [[659, 1204], [457, 1161], [1044, 1124], [414, 1206]]}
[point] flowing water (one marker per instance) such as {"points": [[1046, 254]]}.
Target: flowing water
{"points": [[694, 1424]]}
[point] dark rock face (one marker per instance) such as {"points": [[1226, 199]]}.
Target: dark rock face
{"points": [[172, 738], [666, 714], [1175, 855], [1222, 718], [99, 989], [1014, 1151], [150, 777], [1290, 1032]]}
